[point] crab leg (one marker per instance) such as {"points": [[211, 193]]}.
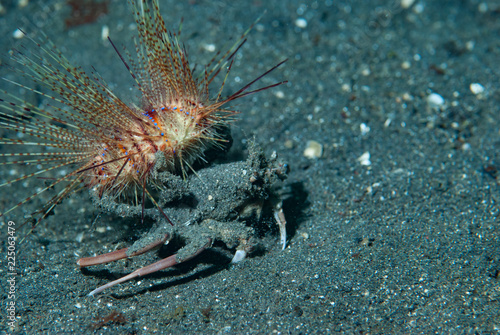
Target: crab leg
{"points": [[119, 254], [160, 265]]}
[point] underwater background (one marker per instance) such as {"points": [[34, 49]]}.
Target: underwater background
{"points": [[390, 125]]}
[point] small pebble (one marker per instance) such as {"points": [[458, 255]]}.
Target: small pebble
{"points": [[435, 100], [209, 47], [364, 159], [301, 23], [407, 97], [476, 88], [469, 45], [405, 65], [419, 8], [289, 144], [79, 237], [313, 150], [407, 3], [18, 34], [346, 87], [279, 94], [100, 229], [364, 129], [366, 72], [483, 7], [22, 3]]}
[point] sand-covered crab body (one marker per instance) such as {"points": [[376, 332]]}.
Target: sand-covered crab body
{"points": [[220, 203]]}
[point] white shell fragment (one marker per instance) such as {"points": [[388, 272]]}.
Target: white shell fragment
{"points": [[364, 129], [407, 3], [279, 94], [476, 88], [79, 237], [18, 34], [313, 150], [301, 23], [210, 47], [22, 3], [364, 159], [435, 100]]}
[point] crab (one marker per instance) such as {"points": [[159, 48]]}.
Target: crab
{"points": [[220, 203]]}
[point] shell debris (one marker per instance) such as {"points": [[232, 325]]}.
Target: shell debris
{"points": [[476, 88], [364, 159], [313, 150]]}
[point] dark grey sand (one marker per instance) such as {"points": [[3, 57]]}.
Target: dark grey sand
{"points": [[406, 241]]}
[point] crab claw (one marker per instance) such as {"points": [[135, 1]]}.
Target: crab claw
{"points": [[160, 265], [279, 216], [239, 255]]}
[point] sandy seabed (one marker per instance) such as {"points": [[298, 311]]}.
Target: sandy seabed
{"points": [[393, 227]]}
